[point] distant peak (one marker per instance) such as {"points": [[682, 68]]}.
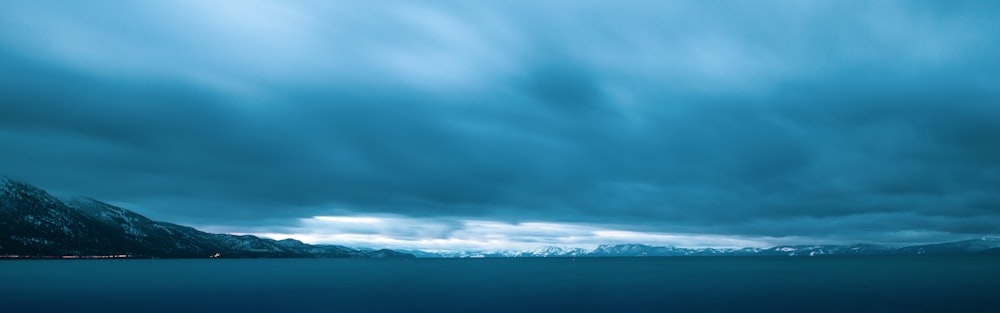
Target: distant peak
{"points": [[624, 245]]}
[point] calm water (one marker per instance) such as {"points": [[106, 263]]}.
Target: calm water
{"points": [[686, 284]]}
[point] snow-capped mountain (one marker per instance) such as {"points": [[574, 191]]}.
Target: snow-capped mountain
{"points": [[34, 223], [977, 246], [638, 250], [543, 252], [553, 251]]}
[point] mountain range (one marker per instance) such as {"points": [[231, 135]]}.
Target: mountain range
{"points": [[33, 223], [980, 246]]}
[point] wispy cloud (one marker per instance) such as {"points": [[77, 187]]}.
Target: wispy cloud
{"points": [[828, 120], [451, 234]]}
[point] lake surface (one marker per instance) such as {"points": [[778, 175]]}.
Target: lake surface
{"points": [[678, 284]]}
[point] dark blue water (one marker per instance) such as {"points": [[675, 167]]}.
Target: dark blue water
{"points": [[682, 284]]}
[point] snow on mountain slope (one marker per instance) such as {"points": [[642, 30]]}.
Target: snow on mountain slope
{"points": [[33, 222], [987, 245]]}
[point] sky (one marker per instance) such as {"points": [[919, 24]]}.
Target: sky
{"points": [[455, 125]]}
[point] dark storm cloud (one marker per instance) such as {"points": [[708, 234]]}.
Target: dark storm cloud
{"points": [[839, 120]]}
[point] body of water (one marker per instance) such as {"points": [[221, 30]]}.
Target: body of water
{"points": [[678, 284]]}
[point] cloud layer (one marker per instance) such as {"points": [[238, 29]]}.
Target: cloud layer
{"points": [[830, 120]]}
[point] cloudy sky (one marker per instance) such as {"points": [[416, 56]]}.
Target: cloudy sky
{"points": [[515, 124]]}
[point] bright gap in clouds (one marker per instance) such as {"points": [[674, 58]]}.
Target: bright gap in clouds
{"points": [[397, 232]]}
